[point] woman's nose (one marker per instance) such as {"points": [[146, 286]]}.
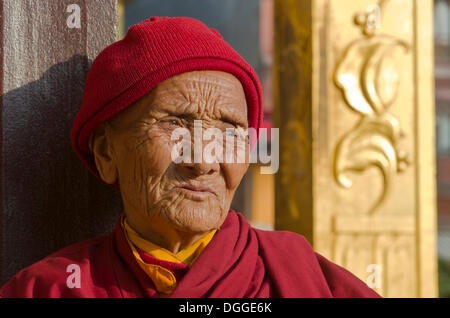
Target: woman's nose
{"points": [[200, 168]]}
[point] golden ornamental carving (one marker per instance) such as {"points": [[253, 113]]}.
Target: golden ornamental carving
{"points": [[368, 79]]}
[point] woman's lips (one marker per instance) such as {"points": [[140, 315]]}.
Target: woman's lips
{"points": [[195, 192]]}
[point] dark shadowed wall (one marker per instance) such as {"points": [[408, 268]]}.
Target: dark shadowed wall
{"points": [[48, 199]]}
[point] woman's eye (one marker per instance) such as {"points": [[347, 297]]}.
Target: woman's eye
{"points": [[172, 121], [230, 132], [236, 133]]}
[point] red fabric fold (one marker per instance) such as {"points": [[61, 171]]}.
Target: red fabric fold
{"points": [[240, 262]]}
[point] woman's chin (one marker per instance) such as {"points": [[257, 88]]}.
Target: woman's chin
{"points": [[196, 219]]}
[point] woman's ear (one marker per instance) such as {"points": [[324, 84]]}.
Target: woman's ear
{"points": [[100, 146]]}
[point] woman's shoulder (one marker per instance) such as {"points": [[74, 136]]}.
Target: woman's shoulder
{"points": [[284, 241], [291, 248], [46, 277]]}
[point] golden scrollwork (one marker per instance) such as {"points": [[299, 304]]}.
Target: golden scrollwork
{"points": [[368, 79]]}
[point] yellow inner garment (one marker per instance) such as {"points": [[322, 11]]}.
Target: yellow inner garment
{"points": [[165, 282]]}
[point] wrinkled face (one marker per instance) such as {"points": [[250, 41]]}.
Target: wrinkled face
{"points": [[192, 197]]}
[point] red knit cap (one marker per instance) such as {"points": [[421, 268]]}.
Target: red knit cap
{"points": [[151, 52]]}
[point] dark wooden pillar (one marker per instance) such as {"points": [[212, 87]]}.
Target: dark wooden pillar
{"points": [[48, 199]]}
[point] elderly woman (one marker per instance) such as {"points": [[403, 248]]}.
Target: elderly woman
{"points": [[177, 236]]}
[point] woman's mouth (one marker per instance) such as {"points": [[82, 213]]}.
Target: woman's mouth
{"points": [[197, 193]]}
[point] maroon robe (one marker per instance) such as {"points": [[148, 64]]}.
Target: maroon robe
{"points": [[240, 261]]}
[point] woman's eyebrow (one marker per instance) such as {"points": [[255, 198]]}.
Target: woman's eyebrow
{"points": [[229, 121], [224, 114], [232, 117]]}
